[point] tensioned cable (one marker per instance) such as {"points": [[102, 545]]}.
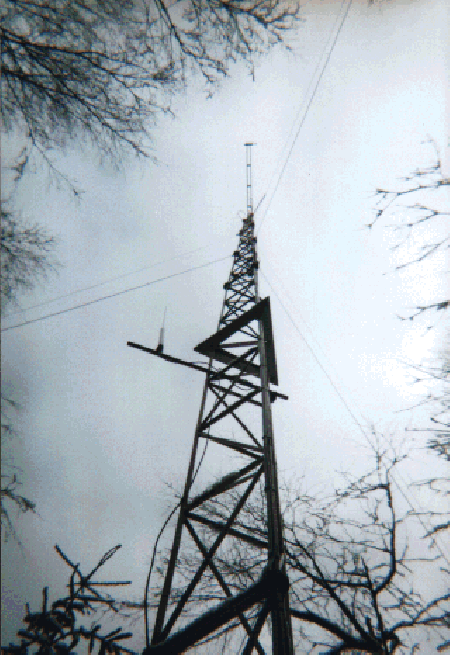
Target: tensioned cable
{"points": [[330, 365], [401, 491], [305, 113], [316, 358], [147, 584], [117, 293], [287, 313], [303, 103], [99, 284]]}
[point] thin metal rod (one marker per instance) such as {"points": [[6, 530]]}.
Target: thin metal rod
{"points": [[230, 409], [248, 147], [217, 388]]}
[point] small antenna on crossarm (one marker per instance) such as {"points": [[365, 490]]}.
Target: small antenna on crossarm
{"points": [[160, 346], [249, 178]]}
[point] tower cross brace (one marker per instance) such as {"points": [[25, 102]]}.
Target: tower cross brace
{"points": [[240, 368]]}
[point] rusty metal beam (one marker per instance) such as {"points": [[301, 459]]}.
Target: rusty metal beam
{"points": [[213, 346]]}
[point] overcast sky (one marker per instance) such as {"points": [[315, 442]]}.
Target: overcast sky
{"points": [[103, 428]]}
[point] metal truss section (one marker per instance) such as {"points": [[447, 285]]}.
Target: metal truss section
{"points": [[234, 417], [240, 289], [218, 347]]}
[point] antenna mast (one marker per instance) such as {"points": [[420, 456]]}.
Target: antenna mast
{"points": [[237, 396], [248, 147]]}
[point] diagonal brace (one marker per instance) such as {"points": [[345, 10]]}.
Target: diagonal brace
{"points": [[223, 584], [216, 525], [230, 409], [227, 482], [179, 608]]}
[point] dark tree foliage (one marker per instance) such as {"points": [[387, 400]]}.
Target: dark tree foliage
{"points": [[9, 493], [25, 256], [60, 627], [353, 576], [351, 573], [105, 69]]}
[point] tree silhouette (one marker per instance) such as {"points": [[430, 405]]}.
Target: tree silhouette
{"points": [[352, 577], [61, 627], [105, 70], [25, 258], [422, 229]]}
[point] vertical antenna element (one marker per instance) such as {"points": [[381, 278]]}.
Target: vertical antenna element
{"points": [[160, 346], [249, 178]]}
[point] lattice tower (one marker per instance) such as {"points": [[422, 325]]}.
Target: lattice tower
{"points": [[236, 557]]}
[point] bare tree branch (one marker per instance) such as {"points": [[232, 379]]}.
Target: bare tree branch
{"points": [[415, 222], [25, 256], [106, 70], [350, 579]]}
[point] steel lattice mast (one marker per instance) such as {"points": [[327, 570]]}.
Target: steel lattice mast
{"points": [[239, 373]]}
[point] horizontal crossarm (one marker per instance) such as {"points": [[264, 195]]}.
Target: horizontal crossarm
{"points": [[202, 369], [245, 449]]}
